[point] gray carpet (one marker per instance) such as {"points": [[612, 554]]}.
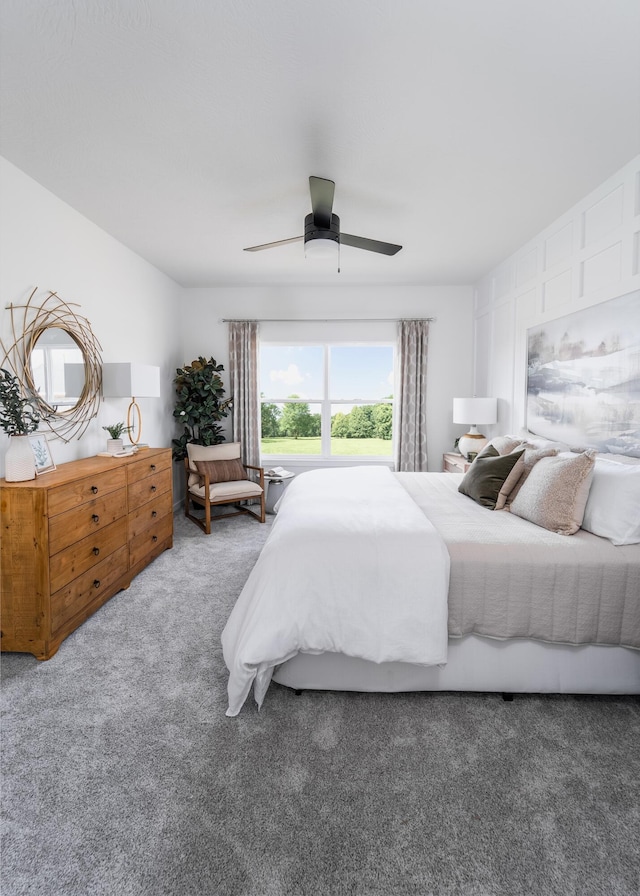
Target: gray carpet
{"points": [[122, 775]]}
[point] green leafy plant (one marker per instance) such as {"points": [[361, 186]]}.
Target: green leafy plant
{"points": [[18, 417], [116, 430], [200, 405]]}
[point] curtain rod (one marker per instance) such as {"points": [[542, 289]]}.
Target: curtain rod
{"points": [[321, 320]]}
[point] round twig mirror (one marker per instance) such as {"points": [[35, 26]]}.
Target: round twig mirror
{"points": [[56, 358]]}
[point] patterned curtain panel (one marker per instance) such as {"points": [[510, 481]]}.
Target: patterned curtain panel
{"points": [[411, 420], [243, 370]]}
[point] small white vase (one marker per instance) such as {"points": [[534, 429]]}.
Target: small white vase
{"points": [[19, 464], [114, 445]]}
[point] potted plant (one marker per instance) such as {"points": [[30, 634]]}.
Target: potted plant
{"points": [[116, 430], [18, 418], [200, 405]]}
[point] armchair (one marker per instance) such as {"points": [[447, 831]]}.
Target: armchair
{"points": [[217, 476]]}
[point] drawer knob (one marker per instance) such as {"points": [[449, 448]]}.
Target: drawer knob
{"points": [[155, 538], [153, 488], [96, 583], [96, 551], [95, 518], [94, 489], [154, 514], [153, 468]]}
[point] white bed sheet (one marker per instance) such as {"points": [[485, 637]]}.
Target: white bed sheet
{"points": [[346, 546]]}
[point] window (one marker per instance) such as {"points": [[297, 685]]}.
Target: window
{"points": [[327, 400]]}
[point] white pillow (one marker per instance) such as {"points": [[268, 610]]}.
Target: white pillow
{"points": [[613, 505]]}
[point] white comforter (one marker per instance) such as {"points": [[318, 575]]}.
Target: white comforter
{"points": [[351, 566]]}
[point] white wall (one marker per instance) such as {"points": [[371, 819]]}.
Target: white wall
{"points": [[589, 255], [131, 306], [450, 335]]}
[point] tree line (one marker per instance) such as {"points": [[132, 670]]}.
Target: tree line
{"points": [[295, 421]]}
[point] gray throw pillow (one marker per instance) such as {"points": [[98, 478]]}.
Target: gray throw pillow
{"points": [[484, 478]]}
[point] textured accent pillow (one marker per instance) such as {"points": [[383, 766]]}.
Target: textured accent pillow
{"points": [[484, 478], [530, 458], [510, 483], [501, 445], [222, 470], [613, 505], [555, 493]]}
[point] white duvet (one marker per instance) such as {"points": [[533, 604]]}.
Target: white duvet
{"points": [[351, 566]]}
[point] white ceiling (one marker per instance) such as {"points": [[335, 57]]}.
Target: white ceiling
{"points": [[188, 128]]}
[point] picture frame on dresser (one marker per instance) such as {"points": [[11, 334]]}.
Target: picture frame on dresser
{"points": [[41, 453]]}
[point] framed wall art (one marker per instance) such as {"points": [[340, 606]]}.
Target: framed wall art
{"points": [[583, 377], [41, 453]]}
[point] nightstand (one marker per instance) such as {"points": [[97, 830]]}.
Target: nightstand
{"points": [[452, 462]]}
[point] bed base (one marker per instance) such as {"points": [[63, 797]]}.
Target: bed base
{"points": [[477, 664]]}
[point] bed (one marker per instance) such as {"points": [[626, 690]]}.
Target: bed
{"points": [[525, 609]]}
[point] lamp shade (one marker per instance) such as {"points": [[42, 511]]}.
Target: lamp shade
{"points": [[475, 410], [130, 380]]}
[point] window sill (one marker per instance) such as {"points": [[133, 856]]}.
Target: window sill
{"points": [[313, 462]]}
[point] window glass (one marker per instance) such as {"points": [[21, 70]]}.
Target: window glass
{"points": [[287, 370], [362, 430], [360, 371], [291, 427], [327, 400]]}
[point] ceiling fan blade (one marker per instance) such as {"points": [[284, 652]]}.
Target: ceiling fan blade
{"points": [[293, 239], [361, 242], [322, 191]]}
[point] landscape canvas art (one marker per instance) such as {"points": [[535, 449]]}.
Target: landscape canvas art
{"points": [[583, 377]]}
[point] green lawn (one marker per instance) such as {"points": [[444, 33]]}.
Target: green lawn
{"points": [[349, 447]]}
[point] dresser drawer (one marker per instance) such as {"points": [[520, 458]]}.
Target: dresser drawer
{"points": [[148, 488], [67, 528], [74, 494], [147, 466], [89, 587], [142, 545], [148, 514], [83, 555]]}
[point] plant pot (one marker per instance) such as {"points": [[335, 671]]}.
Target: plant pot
{"points": [[19, 463], [114, 445]]}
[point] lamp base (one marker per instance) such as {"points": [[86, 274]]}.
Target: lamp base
{"points": [[471, 442]]}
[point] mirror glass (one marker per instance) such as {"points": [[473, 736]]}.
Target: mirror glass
{"points": [[57, 368]]}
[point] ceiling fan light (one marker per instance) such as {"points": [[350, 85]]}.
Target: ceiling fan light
{"points": [[321, 248]]}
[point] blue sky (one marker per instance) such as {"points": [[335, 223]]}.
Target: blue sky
{"points": [[356, 371]]}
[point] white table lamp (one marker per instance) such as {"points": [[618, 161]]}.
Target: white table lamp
{"points": [[478, 410], [133, 381]]}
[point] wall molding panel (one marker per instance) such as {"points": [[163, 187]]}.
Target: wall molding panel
{"points": [[588, 255]]}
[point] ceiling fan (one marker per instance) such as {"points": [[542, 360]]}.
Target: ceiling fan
{"points": [[322, 236]]}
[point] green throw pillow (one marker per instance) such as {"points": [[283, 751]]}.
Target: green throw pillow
{"points": [[484, 478]]}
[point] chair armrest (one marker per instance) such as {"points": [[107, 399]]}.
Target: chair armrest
{"points": [[260, 470]]}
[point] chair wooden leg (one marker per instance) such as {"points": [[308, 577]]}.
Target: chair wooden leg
{"points": [[207, 518]]}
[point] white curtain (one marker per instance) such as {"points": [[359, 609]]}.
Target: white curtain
{"points": [[411, 414], [243, 375]]}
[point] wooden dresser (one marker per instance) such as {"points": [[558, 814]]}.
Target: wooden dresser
{"points": [[73, 538]]}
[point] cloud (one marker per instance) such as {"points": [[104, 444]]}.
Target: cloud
{"points": [[290, 377]]}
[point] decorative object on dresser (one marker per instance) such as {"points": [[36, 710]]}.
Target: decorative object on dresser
{"points": [[128, 381], [116, 431], [56, 359], [76, 537], [478, 410], [18, 418], [41, 453], [452, 462]]}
